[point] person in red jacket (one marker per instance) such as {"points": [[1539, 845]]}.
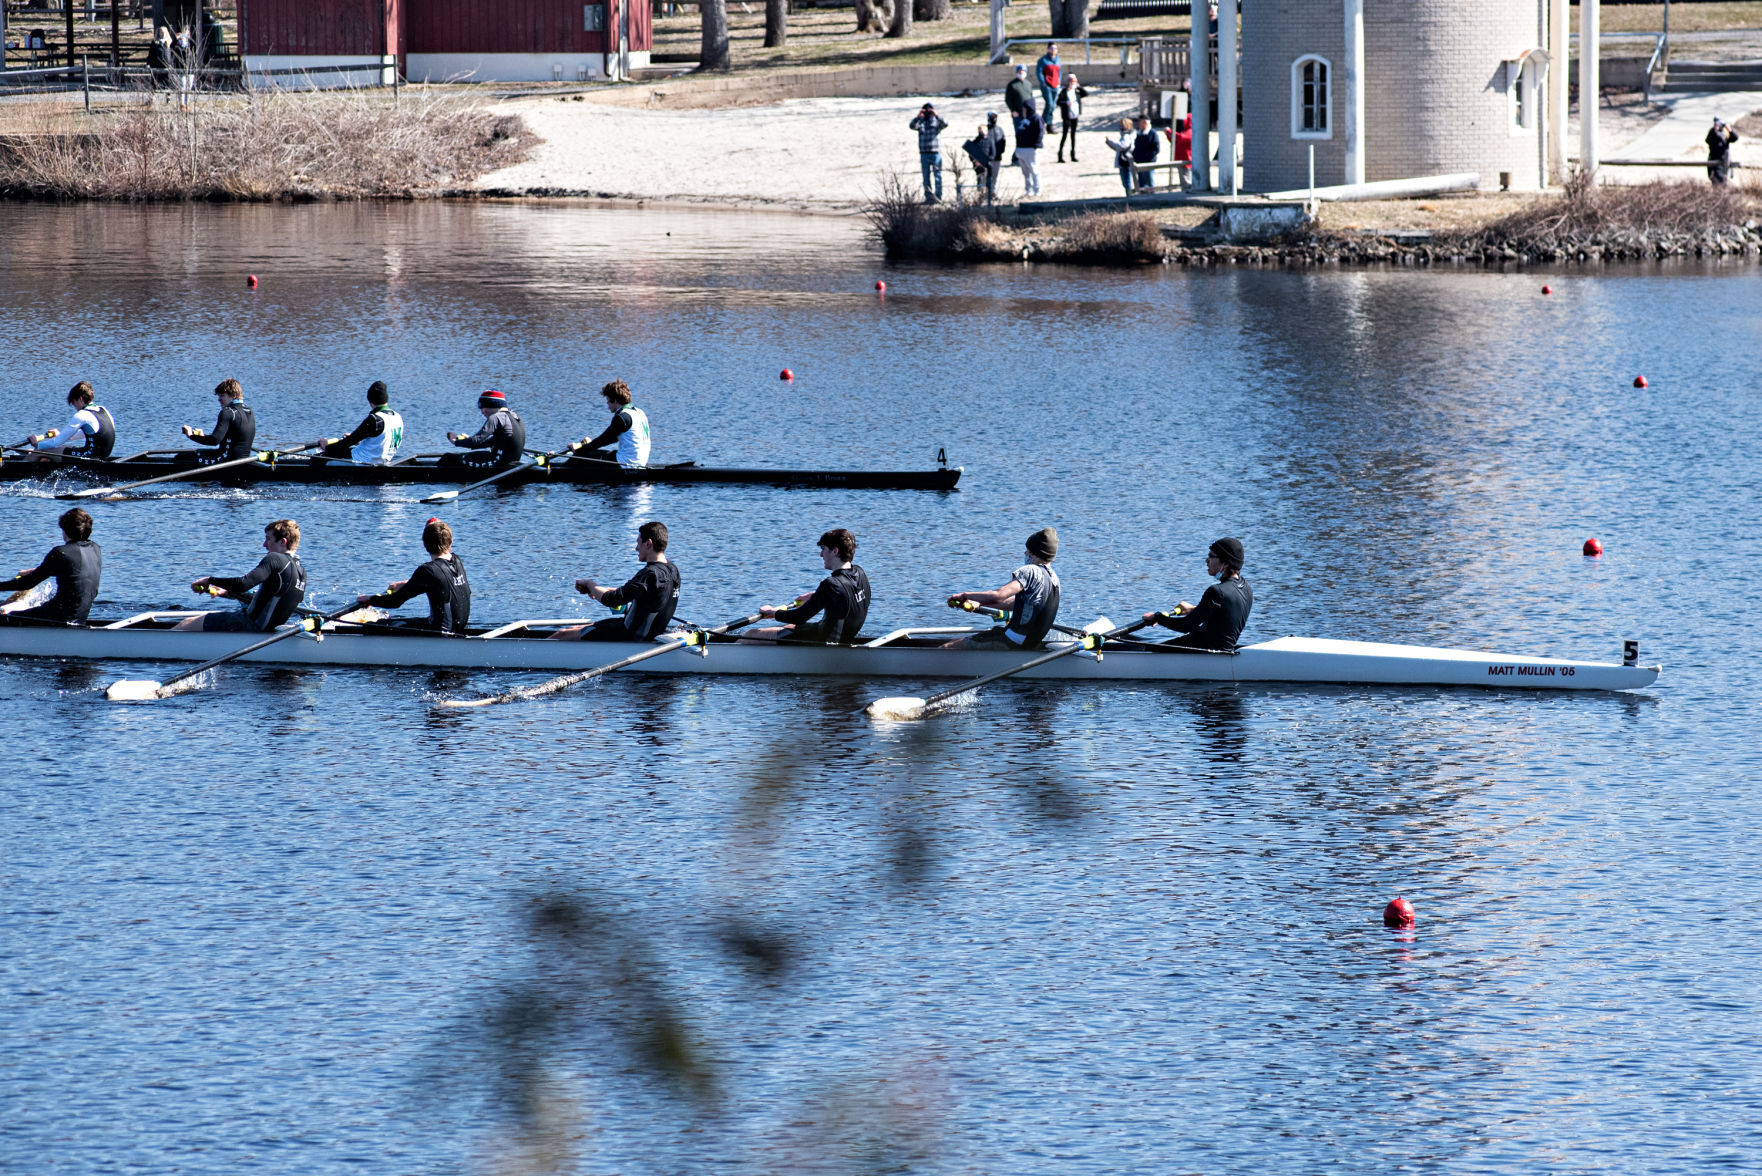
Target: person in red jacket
{"points": [[1181, 135]]}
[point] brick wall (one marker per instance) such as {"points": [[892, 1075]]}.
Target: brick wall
{"points": [[1435, 96]]}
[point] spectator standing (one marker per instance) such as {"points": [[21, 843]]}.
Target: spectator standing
{"points": [[1030, 137], [984, 158], [1181, 135], [999, 153], [1070, 111], [1018, 94], [1047, 71], [1719, 141], [1122, 154], [1145, 148], [930, 126]]}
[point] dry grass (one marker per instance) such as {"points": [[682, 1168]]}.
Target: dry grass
{"points": [[334, 145], [908, 227], [1621, 215], [1684, 18], [1112, 235]]}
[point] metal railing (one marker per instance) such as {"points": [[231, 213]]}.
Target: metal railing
{"points": [[1125, 44], [1660, 56]]}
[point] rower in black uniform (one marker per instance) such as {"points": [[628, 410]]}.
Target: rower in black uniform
{"points": [[278, 581], [1032, 597], [1222, 612], [91, 433], [441, 579], [376, 439], [647, 598], [76, 566], [234, 429], [843, 596], [503, 435]]}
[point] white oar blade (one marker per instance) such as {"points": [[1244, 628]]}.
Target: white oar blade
{"points": [[443, 496], [132, 690], [897, 710], [462, 703], [1100, 625]]}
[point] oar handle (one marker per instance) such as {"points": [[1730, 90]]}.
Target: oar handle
{"points": [[996, 614]]}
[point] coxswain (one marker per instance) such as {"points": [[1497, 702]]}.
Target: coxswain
{"points": [[76, 566], [234, 429], [1222, 612], [441, 579], [629, 428], [376, 439], [503, 434], [647, 598], [90, 433], [843, 596], [1031, 596], [271, 591]]}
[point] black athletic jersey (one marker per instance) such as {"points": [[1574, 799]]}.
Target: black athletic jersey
{"points": [[844, 595], [234, 431], [76, 567], [1219, 617], [280, 583], [443, 581], [652, 595], [101, 444], [503, 434]]}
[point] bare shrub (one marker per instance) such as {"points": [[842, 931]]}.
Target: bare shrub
{"points": [[336, 144], [1112, 235], [908, 227], [1659, 212]]}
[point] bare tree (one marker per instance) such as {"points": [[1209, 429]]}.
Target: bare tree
{"points": [[873, 15], [714, 52], [902, 19], [776, 23], [1070, 18], [932, 9]]}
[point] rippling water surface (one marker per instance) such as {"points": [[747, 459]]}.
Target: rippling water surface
{"points": [[301, 922]]}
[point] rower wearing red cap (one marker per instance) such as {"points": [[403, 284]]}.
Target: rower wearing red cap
{"points": [[441, 579], [503, 435]]}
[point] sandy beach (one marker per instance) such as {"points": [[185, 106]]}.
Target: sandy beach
{"points": [[811, 153]]}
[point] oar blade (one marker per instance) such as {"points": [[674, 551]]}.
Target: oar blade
{"points": [[896, 710], [442, 496], [133, 690]]}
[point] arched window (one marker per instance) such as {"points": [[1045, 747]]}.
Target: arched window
{"points": [[1312, 98]]}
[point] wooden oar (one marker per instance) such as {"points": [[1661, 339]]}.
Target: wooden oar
{"points": [[539, 462], [145, 690], [692, 637], [917, 708], [193, 471]]}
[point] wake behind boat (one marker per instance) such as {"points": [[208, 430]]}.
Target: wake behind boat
{"points": [[436, 467], [904, 653]]}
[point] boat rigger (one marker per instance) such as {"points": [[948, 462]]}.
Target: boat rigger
{"points": [[905, 653]]}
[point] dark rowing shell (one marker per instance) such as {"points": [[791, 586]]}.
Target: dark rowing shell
{"points": [[430, 468]]}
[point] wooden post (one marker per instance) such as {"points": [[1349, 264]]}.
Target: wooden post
{"points": [[67, 7], [115, 33]]}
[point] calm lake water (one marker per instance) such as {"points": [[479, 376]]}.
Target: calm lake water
{"points": [[300, 922]]}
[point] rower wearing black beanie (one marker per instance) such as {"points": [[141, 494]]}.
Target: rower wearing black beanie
{"points": [[1222, 612]]}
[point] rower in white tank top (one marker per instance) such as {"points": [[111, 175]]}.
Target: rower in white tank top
{"points": [[629, 431]]}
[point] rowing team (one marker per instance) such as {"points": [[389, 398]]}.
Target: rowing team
{"points": [[501, 440], [833, 613]]}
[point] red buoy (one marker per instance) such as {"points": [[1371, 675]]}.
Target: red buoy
{"points": [[1639, 381], [1547, 289], [1399, 913], [251, 280], [881, 286], [1593, 547], [786, 374]]}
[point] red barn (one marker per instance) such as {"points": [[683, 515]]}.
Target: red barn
{"points": [[444, 40]]}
